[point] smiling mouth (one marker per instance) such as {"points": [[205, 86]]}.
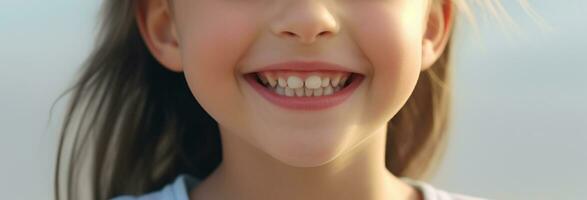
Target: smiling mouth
{"points": [[304, 84]]}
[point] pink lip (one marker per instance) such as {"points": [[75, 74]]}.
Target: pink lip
{"points": [[306, 103], [305, 66]]}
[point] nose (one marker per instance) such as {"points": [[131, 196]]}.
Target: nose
{"points": [[305, 21]]}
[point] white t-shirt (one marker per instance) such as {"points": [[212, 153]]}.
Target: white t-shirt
{"points": [[178, 190]]}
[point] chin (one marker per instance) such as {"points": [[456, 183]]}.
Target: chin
{"points": [[303, 148]]}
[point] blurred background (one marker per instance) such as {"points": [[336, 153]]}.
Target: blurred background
{"points": [[520, 112]]}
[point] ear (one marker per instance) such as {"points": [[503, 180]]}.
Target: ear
{"points": [[438, 29], [158, 31]]}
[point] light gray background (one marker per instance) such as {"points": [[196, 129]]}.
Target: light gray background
{"points": [[520, 113]]}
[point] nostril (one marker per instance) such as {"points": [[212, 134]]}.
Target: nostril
{"points": [[309, 38], [290, 33], [324, 33]]}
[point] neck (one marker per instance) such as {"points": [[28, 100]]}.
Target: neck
{"points": [[248, 173]]}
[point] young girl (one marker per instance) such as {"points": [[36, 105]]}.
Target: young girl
{"points": [[261, 99]]}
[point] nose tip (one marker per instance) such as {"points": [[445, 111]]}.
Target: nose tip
{"points": [[306, 23]]}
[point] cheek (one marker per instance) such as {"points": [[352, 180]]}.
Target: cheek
{"points": [[211, 47], [392, 44]]}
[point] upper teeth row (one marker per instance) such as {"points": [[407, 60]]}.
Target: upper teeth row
{"points": [[311, 82]]}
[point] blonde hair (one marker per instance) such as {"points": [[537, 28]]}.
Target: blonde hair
{"points": [[418, 134]]}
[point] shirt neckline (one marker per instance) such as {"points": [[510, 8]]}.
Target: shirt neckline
{"points": [[184, 183]]}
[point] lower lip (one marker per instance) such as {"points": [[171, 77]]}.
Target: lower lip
{"points": [[306, 103]]}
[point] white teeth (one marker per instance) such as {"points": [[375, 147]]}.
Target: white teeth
{"points": [[270, 79], [313, 82], [325, 81], [313, 85], [299, 92], [280, 90], [282, 82], [318, 92], [289, 92], [328, 90], [294, 82], [336, 79], [309, 92]]}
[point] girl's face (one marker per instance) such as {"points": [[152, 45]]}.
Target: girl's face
{"points": [[220, 44]]}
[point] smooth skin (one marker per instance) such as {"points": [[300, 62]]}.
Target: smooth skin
{"points": [[274, 153]]}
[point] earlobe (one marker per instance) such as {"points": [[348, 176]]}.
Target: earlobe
{"points": [[158, 32], [437, 34], [429, 57]]}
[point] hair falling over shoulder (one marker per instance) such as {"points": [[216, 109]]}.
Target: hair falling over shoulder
{"points": [[126, 117], [133, 126]]}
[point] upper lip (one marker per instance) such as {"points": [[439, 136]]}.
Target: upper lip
{"points": [[306, 66]]}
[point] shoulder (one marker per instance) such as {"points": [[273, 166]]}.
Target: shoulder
{"points": [[430, 192], [178, 190]]}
